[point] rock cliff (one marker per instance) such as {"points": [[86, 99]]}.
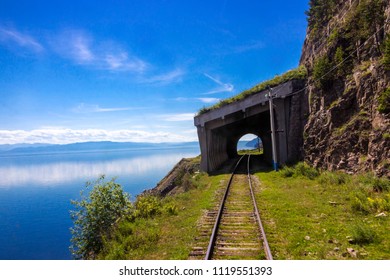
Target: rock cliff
{"points": [[347, 55]]}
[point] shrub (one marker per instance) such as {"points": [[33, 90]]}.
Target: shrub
{"points": [[186, 182], [338, 60], [170, 209], [384, 102], [322, 72], [386, 53], [287, 172], [381, 184], [300, 169], [305, 170], [372, 183], [359, 202], [147, 206], [362, 234], [95, 216], [333, 178], [125, 246]]}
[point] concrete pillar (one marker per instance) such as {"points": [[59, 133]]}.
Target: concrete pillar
{"points": [[281, 128], [202, 136]]}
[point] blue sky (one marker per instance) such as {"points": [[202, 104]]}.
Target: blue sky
{"points": [[74, 71]]}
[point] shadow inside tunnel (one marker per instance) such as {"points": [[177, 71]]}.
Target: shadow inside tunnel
{"points": [[257, 164]]}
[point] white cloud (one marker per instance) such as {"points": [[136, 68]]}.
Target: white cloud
{"points": [[178, 117], [168, 77], [11, 37], [201, 99], [223, 87], [93, 108], [82, 48], [208, 100], [79, 48], [122, 62], [66, 135], [248, 47]]}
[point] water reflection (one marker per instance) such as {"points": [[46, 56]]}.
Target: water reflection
{"points": [[50, 174], [36, 190]]}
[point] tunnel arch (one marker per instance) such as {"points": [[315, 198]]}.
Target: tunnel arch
{"points": [[257, 125], [220, 128], [254, 141]]}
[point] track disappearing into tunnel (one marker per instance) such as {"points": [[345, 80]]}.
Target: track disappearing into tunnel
{"points": [[238, 232]]}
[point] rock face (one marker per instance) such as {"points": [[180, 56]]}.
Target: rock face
{"points": [[345, 54], [177, 180]]}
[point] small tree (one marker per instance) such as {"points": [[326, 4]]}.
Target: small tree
{"points": [[95, 216], [384, 102], [338, 60], [386, 53], [322, 73]]}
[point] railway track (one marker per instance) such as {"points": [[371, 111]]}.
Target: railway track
{"points": [[236, 228]]}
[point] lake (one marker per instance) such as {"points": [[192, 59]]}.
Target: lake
{"points": [[36, 190]]}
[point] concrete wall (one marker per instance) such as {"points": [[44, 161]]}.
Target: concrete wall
{"points": [[220, 130]]}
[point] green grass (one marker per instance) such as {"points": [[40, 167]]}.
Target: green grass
{"points": [[165, 228], [298, 73], [250, 152], [309, 217], [307, 214]]}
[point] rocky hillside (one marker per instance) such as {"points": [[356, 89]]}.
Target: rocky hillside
{"points": [[347, 55]]}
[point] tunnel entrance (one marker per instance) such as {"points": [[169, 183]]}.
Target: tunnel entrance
{"points": [[250, 144], [254, 126], [220, 129]]}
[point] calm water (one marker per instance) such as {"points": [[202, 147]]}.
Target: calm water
{"points": [[35, 193]]}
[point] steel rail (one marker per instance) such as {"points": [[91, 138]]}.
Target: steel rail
{"points": [[213, 237], [266, 247], [218, 219]]}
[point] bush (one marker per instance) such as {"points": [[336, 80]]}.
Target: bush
{"points": [[300, 169], [96, 215], [147, 206], [372, 196], [372, 183], [381, 184], [170, 209], [305, 170], [386, 53], [322, 72], [339, 61], [362, 234], [286, 172], [359, 202], [124, 246], [384, 102], [333, 178]]}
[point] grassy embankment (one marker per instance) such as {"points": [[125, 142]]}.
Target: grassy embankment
{"points": [[306, 214], [167, 227], [250, 152], [328, 215]]}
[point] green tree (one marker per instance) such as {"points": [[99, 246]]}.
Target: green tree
{"points": [[386, 53], [319, 13], [96, 215], [322, 73], [339, 60], [384, 102]]}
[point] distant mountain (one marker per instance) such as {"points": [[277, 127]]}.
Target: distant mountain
{"points": [[254, 143], [8, 147], [86, 146]]}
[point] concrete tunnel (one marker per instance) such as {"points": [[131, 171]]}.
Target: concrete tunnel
{"points": [[229, 135], [220, 129]]}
